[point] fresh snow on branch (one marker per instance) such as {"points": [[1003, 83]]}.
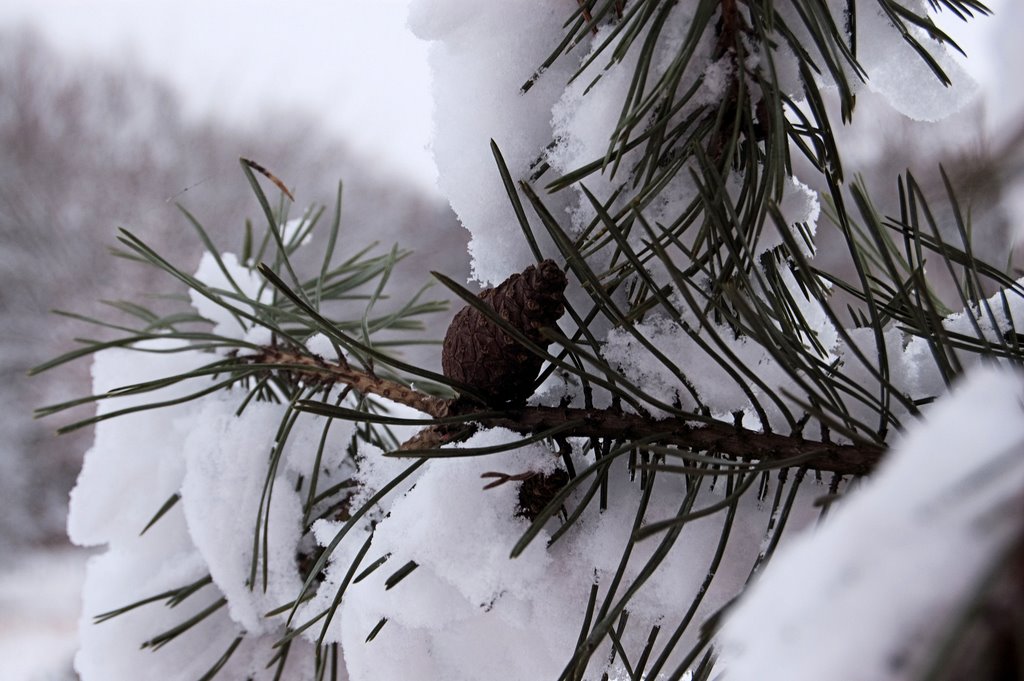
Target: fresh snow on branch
{"points": [[874, 590]]}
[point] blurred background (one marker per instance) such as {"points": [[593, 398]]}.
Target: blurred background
{"points": [[113, 111]]}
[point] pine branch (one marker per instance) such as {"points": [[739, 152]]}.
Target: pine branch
{"points": [[705, 435], [696, 433]]}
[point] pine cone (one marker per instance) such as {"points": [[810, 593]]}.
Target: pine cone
{"points": [[478, 353], [537, 492]]}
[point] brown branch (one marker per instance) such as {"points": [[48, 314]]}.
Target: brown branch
{"points": [[712, 436], [731, 29], [586, 15]]}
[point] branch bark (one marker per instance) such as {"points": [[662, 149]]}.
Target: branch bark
{"points": [[715, 437]]}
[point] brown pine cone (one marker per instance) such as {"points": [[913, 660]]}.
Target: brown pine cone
{"points": [[537, 491], [478, 353]]}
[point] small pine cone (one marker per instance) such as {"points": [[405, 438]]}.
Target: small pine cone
{"points": [[478, 353], [536, 492]]}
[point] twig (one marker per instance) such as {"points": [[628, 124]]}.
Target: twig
{"points": [[318, 369], [587, 16]]}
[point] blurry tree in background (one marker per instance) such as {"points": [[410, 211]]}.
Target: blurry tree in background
{"points": [[88, 147]]}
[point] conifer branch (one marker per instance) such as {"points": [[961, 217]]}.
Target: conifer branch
{"points": [[699, 433]]}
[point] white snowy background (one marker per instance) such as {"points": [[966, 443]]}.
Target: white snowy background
{"points": [[366, 78]]}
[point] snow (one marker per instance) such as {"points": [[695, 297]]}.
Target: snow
{"points": [[468, 612], [226, 283], [216, 460], [588, 113], [125, 456], [897, 72], [716, 80], [321, 345], [226, 464], [901, 555], [716, 388], [893, 68], [801, 208], [478, 67], [705, 370], [147, 470], [911, 365]]}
